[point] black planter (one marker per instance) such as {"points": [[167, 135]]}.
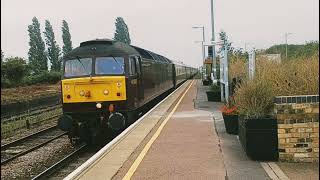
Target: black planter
{"points": [[259, 138], [206, 82], [231, 123], [214, 96]]}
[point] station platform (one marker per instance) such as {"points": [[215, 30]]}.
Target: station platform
{"points": [[183, 137]]}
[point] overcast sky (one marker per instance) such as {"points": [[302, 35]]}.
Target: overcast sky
{"points": [[163, 26]]}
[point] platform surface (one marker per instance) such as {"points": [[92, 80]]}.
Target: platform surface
{"points": [[188, 141], [187, 148]]}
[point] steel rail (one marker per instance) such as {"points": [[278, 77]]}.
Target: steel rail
{"points": [[31, 149], [13, 143], [54, 168]]}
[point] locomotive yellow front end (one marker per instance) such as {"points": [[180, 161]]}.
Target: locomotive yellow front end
{"points": [[94, 92], [91, 105], [94, 89]]}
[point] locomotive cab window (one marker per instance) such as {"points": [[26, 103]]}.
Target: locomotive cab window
{"points": [[78, 67], [109, 65]]}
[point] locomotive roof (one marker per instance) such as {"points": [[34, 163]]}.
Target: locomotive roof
{"points": [[103, 47], [107, 46]]}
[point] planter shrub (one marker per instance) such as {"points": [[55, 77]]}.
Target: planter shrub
{"points": [[259, 138], [257, 132], [206, 82], [230, 116], [214, 94], [231, 123]]}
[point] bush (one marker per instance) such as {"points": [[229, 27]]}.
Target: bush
{"points": [[13, 70], [5, 83], [215, 88], [43, 78], [254, 98], [296, 51]]}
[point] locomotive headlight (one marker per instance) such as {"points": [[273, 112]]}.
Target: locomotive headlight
{"points": [[98, 105], [105, 92], [119, 84], [81, 93]]}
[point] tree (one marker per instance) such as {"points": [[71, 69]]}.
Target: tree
{"points": [[122, 31], [223, 37], [66, 37], [37, 55], [14, 69], [53, 48], [295, 51]]}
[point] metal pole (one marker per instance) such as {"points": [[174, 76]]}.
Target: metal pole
{"points": [[203, 40], [221, 77], [245, 47], [252, 61], [226, 79], [214, 67], [286, 36]]}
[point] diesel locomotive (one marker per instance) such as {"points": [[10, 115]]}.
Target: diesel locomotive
{"points": [[107, 83]]}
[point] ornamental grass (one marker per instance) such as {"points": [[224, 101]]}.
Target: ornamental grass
{"points": [[294, 77], [254, 98]]}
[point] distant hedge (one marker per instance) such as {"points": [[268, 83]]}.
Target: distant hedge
{"points": [[15, 71], [41, 78]]}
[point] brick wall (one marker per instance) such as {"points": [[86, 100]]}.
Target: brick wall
{"points": [[298, 128]]}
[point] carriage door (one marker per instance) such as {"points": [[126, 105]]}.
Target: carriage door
{"points": [[139, 78], [135, 79]]}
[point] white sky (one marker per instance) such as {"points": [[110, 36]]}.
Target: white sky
{"points": [[163, 26]]}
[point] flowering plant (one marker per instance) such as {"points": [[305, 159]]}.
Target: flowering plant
{"points": [[229, 108]]}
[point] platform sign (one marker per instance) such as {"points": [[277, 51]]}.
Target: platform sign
{"points": [[211, 53], [208, 61], [213, 43]]}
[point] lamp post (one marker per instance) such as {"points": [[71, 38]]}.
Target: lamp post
{"points": [[203, 39], [214, 67], [286, 36]]}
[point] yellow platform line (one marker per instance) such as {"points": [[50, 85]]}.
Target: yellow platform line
{"points": [[137, 162]]}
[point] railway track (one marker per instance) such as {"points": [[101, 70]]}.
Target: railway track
{"points": [[31, 112], [67, 164], [62, 167], [22, 146]]}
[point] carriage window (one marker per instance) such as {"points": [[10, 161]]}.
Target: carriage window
{"points": [[78, 67], [132, 65], [109, 65], [138, 60]]}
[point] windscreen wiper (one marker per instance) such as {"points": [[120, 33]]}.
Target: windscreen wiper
{"points": [[116, 61], [78, 58]]}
